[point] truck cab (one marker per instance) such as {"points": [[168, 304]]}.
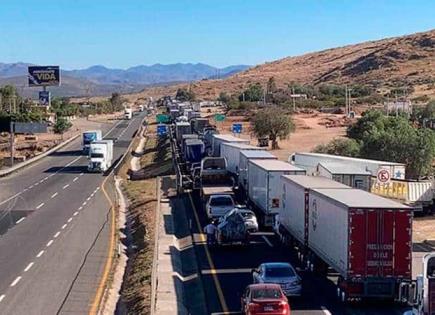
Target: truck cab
{"points": [[100, 156], [128, 113]]}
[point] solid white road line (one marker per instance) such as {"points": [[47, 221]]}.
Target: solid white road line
{"points": [[29, 266], [53, 195], [49, 243], [66, 186], [75, 213], [220, 271], [267, 241], [63, 226], [40, 254], [2, 297], [40, 205], [325, 310], [57, 234], [69, 220], [14, 283], [20, 220]]}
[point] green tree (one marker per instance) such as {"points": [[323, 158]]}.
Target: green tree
{"points": [[270, 90], [224, 98], [273, 123], [62, 125], [184, 95], [116, 101], [253, 93], [340, 146]]}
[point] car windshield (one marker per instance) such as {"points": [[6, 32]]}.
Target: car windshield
{"points": [[266, 293], [281, 271], [221, 202], [97, 155]]}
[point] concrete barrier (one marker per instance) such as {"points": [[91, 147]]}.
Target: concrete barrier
{"points": [[19, 166]]}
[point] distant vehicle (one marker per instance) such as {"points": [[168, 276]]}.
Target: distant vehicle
{"points": [[141, 108], [128, 113], [280, 273], [100, 156], [214, 178], [219, 205], [264, 299], [90, 136], [248, 216]]}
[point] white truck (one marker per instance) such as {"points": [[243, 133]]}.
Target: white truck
{"points": [[128, 113], [218, 139], [100, 156], [88, 137], [231, 152], [265, 188]]}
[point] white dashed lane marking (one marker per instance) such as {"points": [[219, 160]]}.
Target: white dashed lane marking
{"points": [[49, 243], [40, 205], [29, 266], [40, 254], [2, 297], [57, 234], [14, 283], [20, 220], [66, 186], [69, 220], [63, 226], [54, 195], [75, 213], [75, 178]]}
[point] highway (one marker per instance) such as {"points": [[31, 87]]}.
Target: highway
{"points": [[226, 271], [54, 230]]}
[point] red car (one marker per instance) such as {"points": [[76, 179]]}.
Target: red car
{"points": [[265, 299]]}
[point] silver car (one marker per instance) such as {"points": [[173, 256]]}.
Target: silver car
{"points": [[280, 273]]}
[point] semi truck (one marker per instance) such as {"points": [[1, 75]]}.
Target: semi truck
{"points": [[100, 156], [88, 137], [218, 139], [128, 113], [310, 161], [245, 156], [365, 238], [231, 152], [182, 128], [194, 151], [264, 190]]}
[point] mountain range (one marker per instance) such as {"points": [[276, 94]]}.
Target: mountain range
{"points": [[100, 80]]}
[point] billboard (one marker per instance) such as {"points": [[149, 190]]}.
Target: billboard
{"points": [[30, 127], [44, 98], [44, 75]]}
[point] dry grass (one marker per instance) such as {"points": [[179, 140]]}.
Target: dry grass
{"points": [[141, 194]]}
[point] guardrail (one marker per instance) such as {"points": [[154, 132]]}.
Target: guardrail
{"points": [[19, 166]]}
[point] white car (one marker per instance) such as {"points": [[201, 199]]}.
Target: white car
{"points": [[219, 205]]}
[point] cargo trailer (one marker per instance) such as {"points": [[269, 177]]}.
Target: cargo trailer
{"points": [[184, 138], [182, 128], [194, 150], [365, 238], [265, 189], [291, 223], [309, 161], [245, 156], [199, 124], [231, 152], [218, 139]]}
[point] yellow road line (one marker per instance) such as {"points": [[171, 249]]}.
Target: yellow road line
{"points": [[210, 261], [100, 290]]}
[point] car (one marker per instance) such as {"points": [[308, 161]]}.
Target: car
{"points": [[280, 273], [265, 298], [248, 216], [219, 205]]}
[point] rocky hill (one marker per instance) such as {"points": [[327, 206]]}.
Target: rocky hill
{"points": [[406, 61]]}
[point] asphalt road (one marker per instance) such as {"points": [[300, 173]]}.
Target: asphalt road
{"points": [[226, 272], [54, 230]]}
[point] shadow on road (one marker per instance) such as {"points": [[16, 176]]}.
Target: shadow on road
{"points": [[67, 153], [67, 169]]}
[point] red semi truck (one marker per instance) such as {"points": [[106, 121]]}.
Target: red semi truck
{"points": [[367, 239]]}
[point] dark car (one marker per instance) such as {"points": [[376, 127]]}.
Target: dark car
{"points": [[264, 298]]}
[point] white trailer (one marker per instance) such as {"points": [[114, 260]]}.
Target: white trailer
{"points": [[128, 113], [245, 156], [265, 189], [182, 128], [310, 161], [231, 152], [292, 220], [100, 156], [218, 139]]}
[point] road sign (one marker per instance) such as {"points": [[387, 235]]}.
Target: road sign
{"points": [[161, 130], [44, 75], [219, 117], [237, 128], [383, 176], [44, 98], [162, 118], [32, 127]]}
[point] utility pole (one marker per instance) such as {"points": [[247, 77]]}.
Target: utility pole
{"points": [[345, 100], [12, 131], [293, 98]]}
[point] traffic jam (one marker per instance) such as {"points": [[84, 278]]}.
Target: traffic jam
{"points": [[315, 232]]}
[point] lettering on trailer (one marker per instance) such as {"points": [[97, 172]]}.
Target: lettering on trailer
{"points": [[43, 75], [379, 255], [393, 189]]}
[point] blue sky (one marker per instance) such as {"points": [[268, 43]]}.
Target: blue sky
{"points": [[124, 33]]}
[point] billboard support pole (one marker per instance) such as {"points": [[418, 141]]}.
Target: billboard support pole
{"points": [[11, 130]]}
